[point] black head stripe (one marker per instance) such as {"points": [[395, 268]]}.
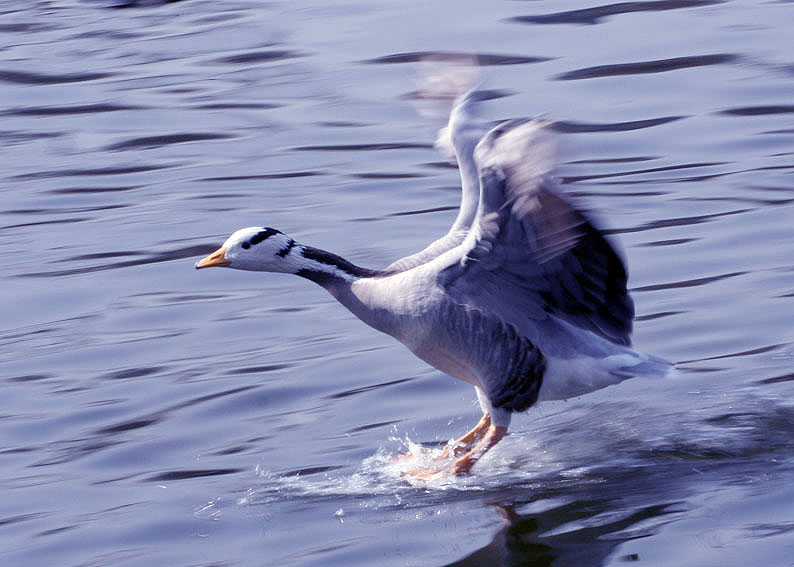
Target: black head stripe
{"points": [[284, 251], [263, 235]]}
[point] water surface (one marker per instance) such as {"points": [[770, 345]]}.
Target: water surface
{"points": [[156, 415]]}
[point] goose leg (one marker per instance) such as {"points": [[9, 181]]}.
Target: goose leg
{"points": [[464, 464], [491, 428], [459, 446]]}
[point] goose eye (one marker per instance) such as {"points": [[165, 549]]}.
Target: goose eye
{"points": [[246, 245]]}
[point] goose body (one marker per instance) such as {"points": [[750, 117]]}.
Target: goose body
{"points": [[523, 298]]}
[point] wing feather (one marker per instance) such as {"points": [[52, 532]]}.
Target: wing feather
{"points": [[531, 254]]}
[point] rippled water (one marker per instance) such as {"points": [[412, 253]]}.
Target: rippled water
{"points": [[152, 414]]}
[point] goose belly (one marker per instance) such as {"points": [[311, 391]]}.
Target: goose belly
{"points": [[447, 361], [486, 353]]}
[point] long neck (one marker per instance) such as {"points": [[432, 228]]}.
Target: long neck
{"points": [[327, 269], [337, 276]]}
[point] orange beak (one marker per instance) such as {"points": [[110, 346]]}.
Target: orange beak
{"points": [[217, 258]]}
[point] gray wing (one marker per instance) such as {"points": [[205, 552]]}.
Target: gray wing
{"points": [[452, 87], [530, 253]]}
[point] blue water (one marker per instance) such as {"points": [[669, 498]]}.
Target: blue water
{"points": [[155, 415]]}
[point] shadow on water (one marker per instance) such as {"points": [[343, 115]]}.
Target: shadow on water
{"points": [[534, 539], [645, 67], [595, 15], [483, 59]]}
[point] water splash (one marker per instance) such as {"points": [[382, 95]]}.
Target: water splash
{"points": [[386, 479]]}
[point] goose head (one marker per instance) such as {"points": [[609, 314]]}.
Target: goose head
{"points": [[261, 249]]}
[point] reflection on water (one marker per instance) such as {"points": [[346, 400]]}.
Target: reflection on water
{"points": [[534, 539], [154, 416]]}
